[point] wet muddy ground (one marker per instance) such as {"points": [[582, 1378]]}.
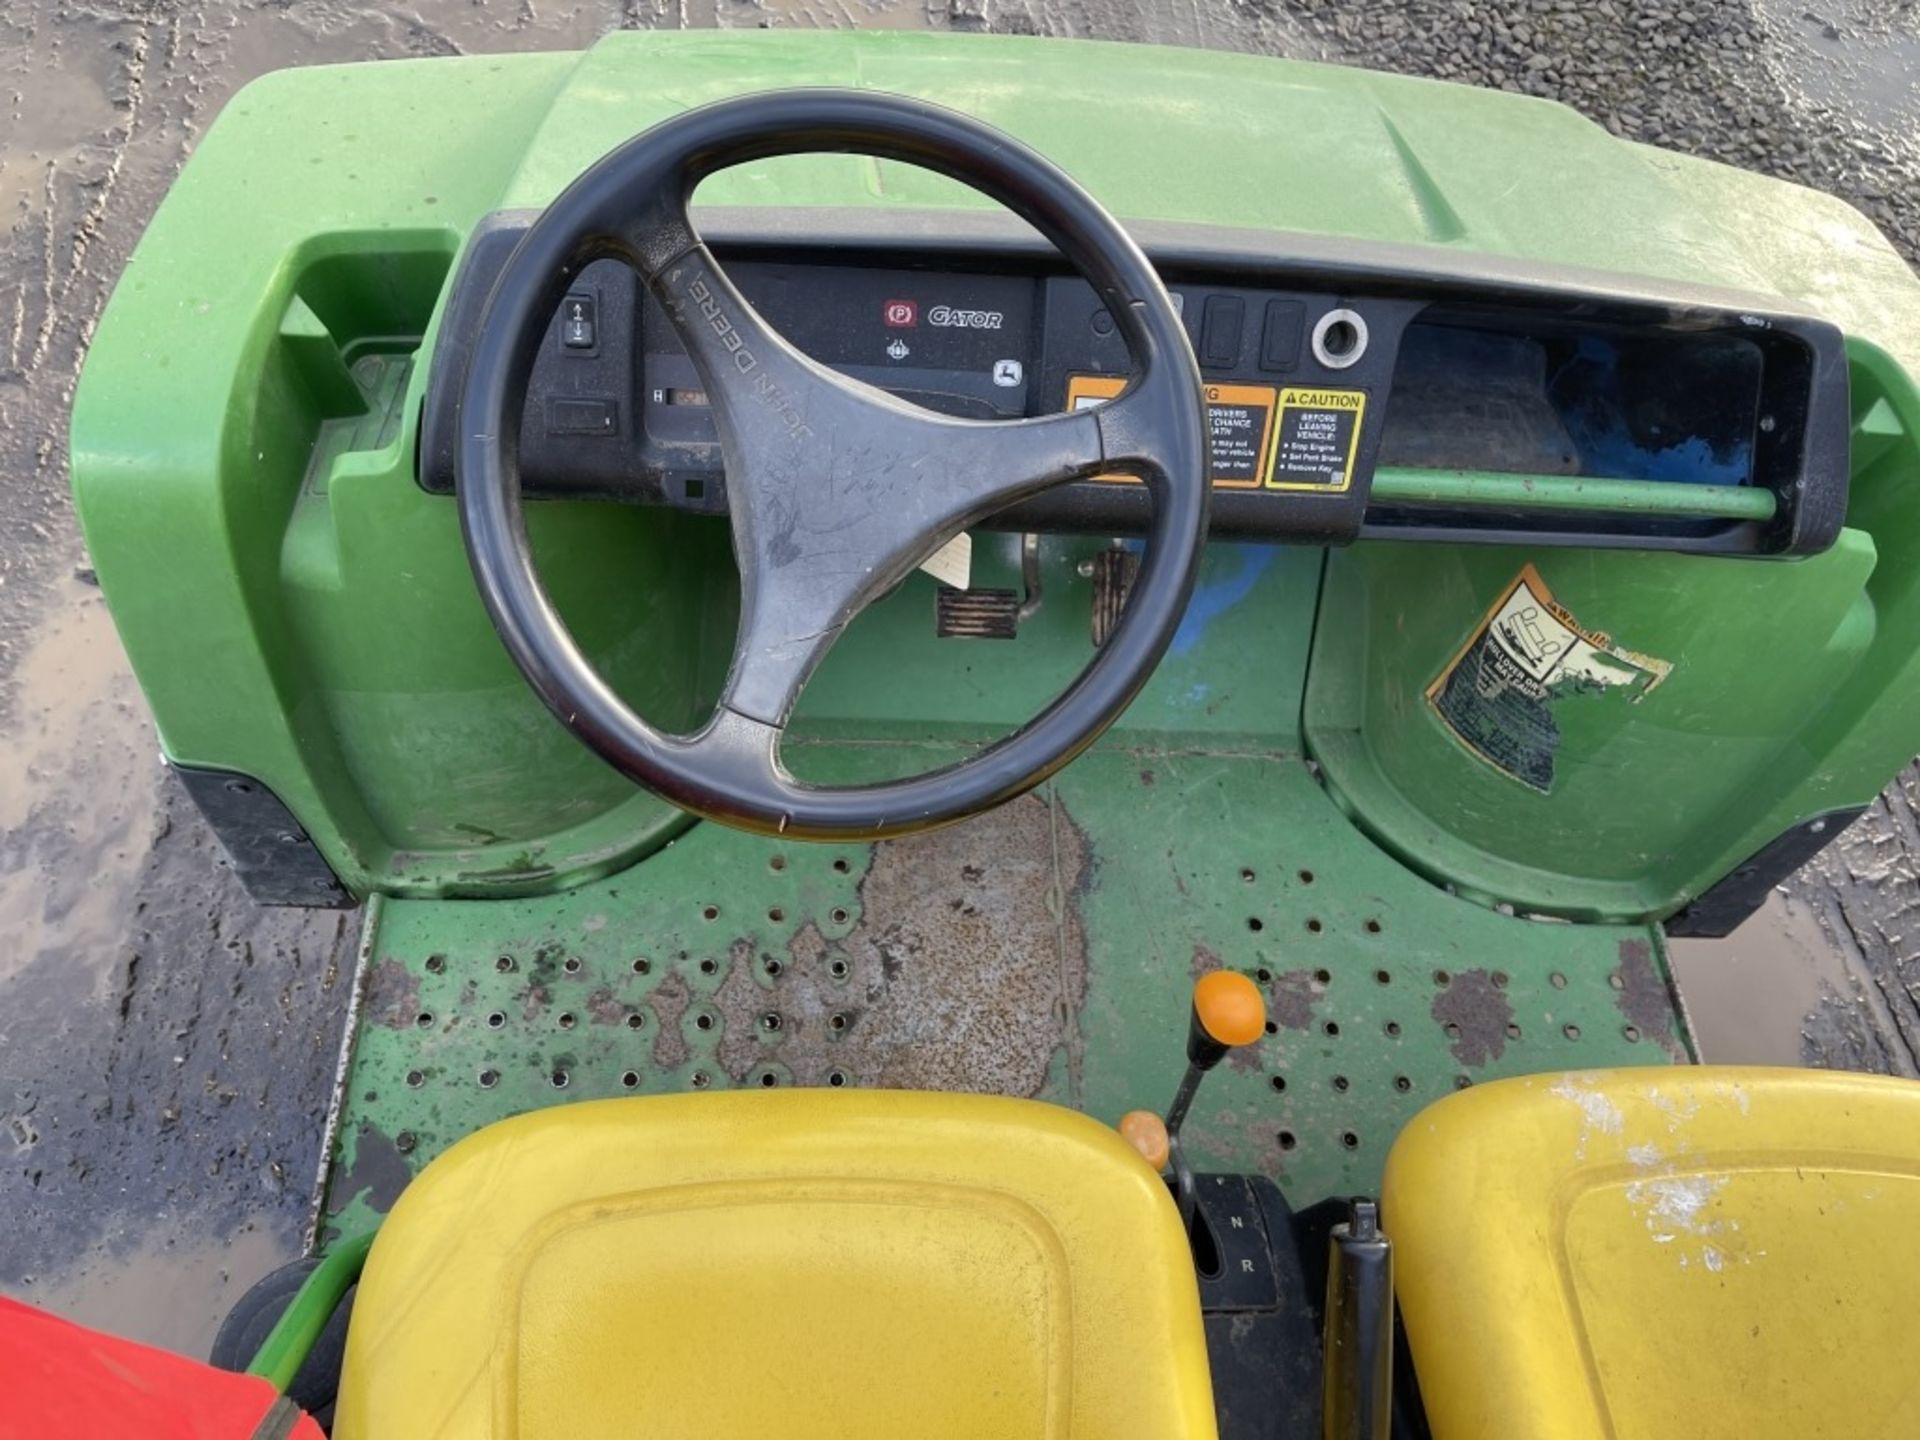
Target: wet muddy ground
{"points": [[166, 1047]]}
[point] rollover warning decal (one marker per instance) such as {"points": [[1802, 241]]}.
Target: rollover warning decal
{"points": [[1319, 439], [1239, 425], [1529, 655]]}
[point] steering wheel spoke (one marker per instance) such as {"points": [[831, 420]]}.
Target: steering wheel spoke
{"points": [[765, 394], [980, 466], [821, 530], [789, 619], [1134, 430], [836, 490]]}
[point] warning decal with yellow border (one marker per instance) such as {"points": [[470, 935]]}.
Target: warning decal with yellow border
{"points": [[1239, 422], [1318, 439], [1529, 654]]}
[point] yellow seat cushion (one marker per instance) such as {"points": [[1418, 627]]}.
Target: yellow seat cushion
{"points": [[1709, 1252], [799, 1263]]}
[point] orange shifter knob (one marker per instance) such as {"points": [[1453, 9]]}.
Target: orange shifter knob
{"points": [[1147, 1133], [1228, 1010]]}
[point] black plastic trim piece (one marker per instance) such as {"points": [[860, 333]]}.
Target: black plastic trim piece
{"points": [[1284, 256], [1260, 1309], [1806, 466], [275, 859], [1736, 895]]}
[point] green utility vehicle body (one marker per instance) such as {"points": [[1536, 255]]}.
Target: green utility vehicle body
{"points": [[1295, 795]]}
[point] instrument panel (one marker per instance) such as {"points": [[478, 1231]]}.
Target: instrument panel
{"points": [[1314, 390]]}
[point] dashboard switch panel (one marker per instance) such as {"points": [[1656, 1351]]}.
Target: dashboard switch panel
{"points": [[1317, 378]]}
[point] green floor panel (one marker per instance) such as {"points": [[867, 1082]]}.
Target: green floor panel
{"points": [[1045, 949]]}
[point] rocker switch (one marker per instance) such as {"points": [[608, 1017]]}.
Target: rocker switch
{"points": [[1221, 321], [1280, 337], [579, 325]]}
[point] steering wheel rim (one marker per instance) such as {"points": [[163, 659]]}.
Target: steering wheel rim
{"points": [[633, 205]]}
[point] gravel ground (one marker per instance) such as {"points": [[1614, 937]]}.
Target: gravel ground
{"points": [[1725, 81], [158, 1114]]}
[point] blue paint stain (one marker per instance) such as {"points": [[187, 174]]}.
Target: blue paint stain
{"points": [[1219, 592]]}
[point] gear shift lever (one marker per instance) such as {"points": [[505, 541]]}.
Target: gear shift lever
{"points": [[1227, 1012]]}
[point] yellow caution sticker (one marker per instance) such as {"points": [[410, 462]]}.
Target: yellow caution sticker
{"points": [[1318, 439], [1240, 422]]}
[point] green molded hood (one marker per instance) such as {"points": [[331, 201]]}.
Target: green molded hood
{"points": [[297, 610]]}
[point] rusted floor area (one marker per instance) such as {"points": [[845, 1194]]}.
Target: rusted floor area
{"points": [[1045, 949]]}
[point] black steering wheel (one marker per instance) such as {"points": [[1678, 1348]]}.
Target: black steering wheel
{"points": [[836, 489]]}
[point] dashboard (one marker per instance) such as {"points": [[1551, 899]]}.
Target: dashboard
{"points": [[1356, 392]]}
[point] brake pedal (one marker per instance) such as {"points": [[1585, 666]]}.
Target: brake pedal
{"points": [[976, 614], [963, 614]]}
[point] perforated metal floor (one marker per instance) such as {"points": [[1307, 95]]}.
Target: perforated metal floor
{"points": [[1046, 950]]}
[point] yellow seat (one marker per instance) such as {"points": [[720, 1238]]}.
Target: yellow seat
{"points": [[1709, 1252], [801, 1263]]}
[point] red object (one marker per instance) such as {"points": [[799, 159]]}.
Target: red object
{"points": [[902, 314], [61, 1381]]}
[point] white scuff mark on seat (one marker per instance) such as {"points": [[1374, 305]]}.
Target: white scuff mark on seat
{"points": [[1601, 1113], [1644, 1156], [1679, 1210], [1678, 1110], [1677, 1202]]}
